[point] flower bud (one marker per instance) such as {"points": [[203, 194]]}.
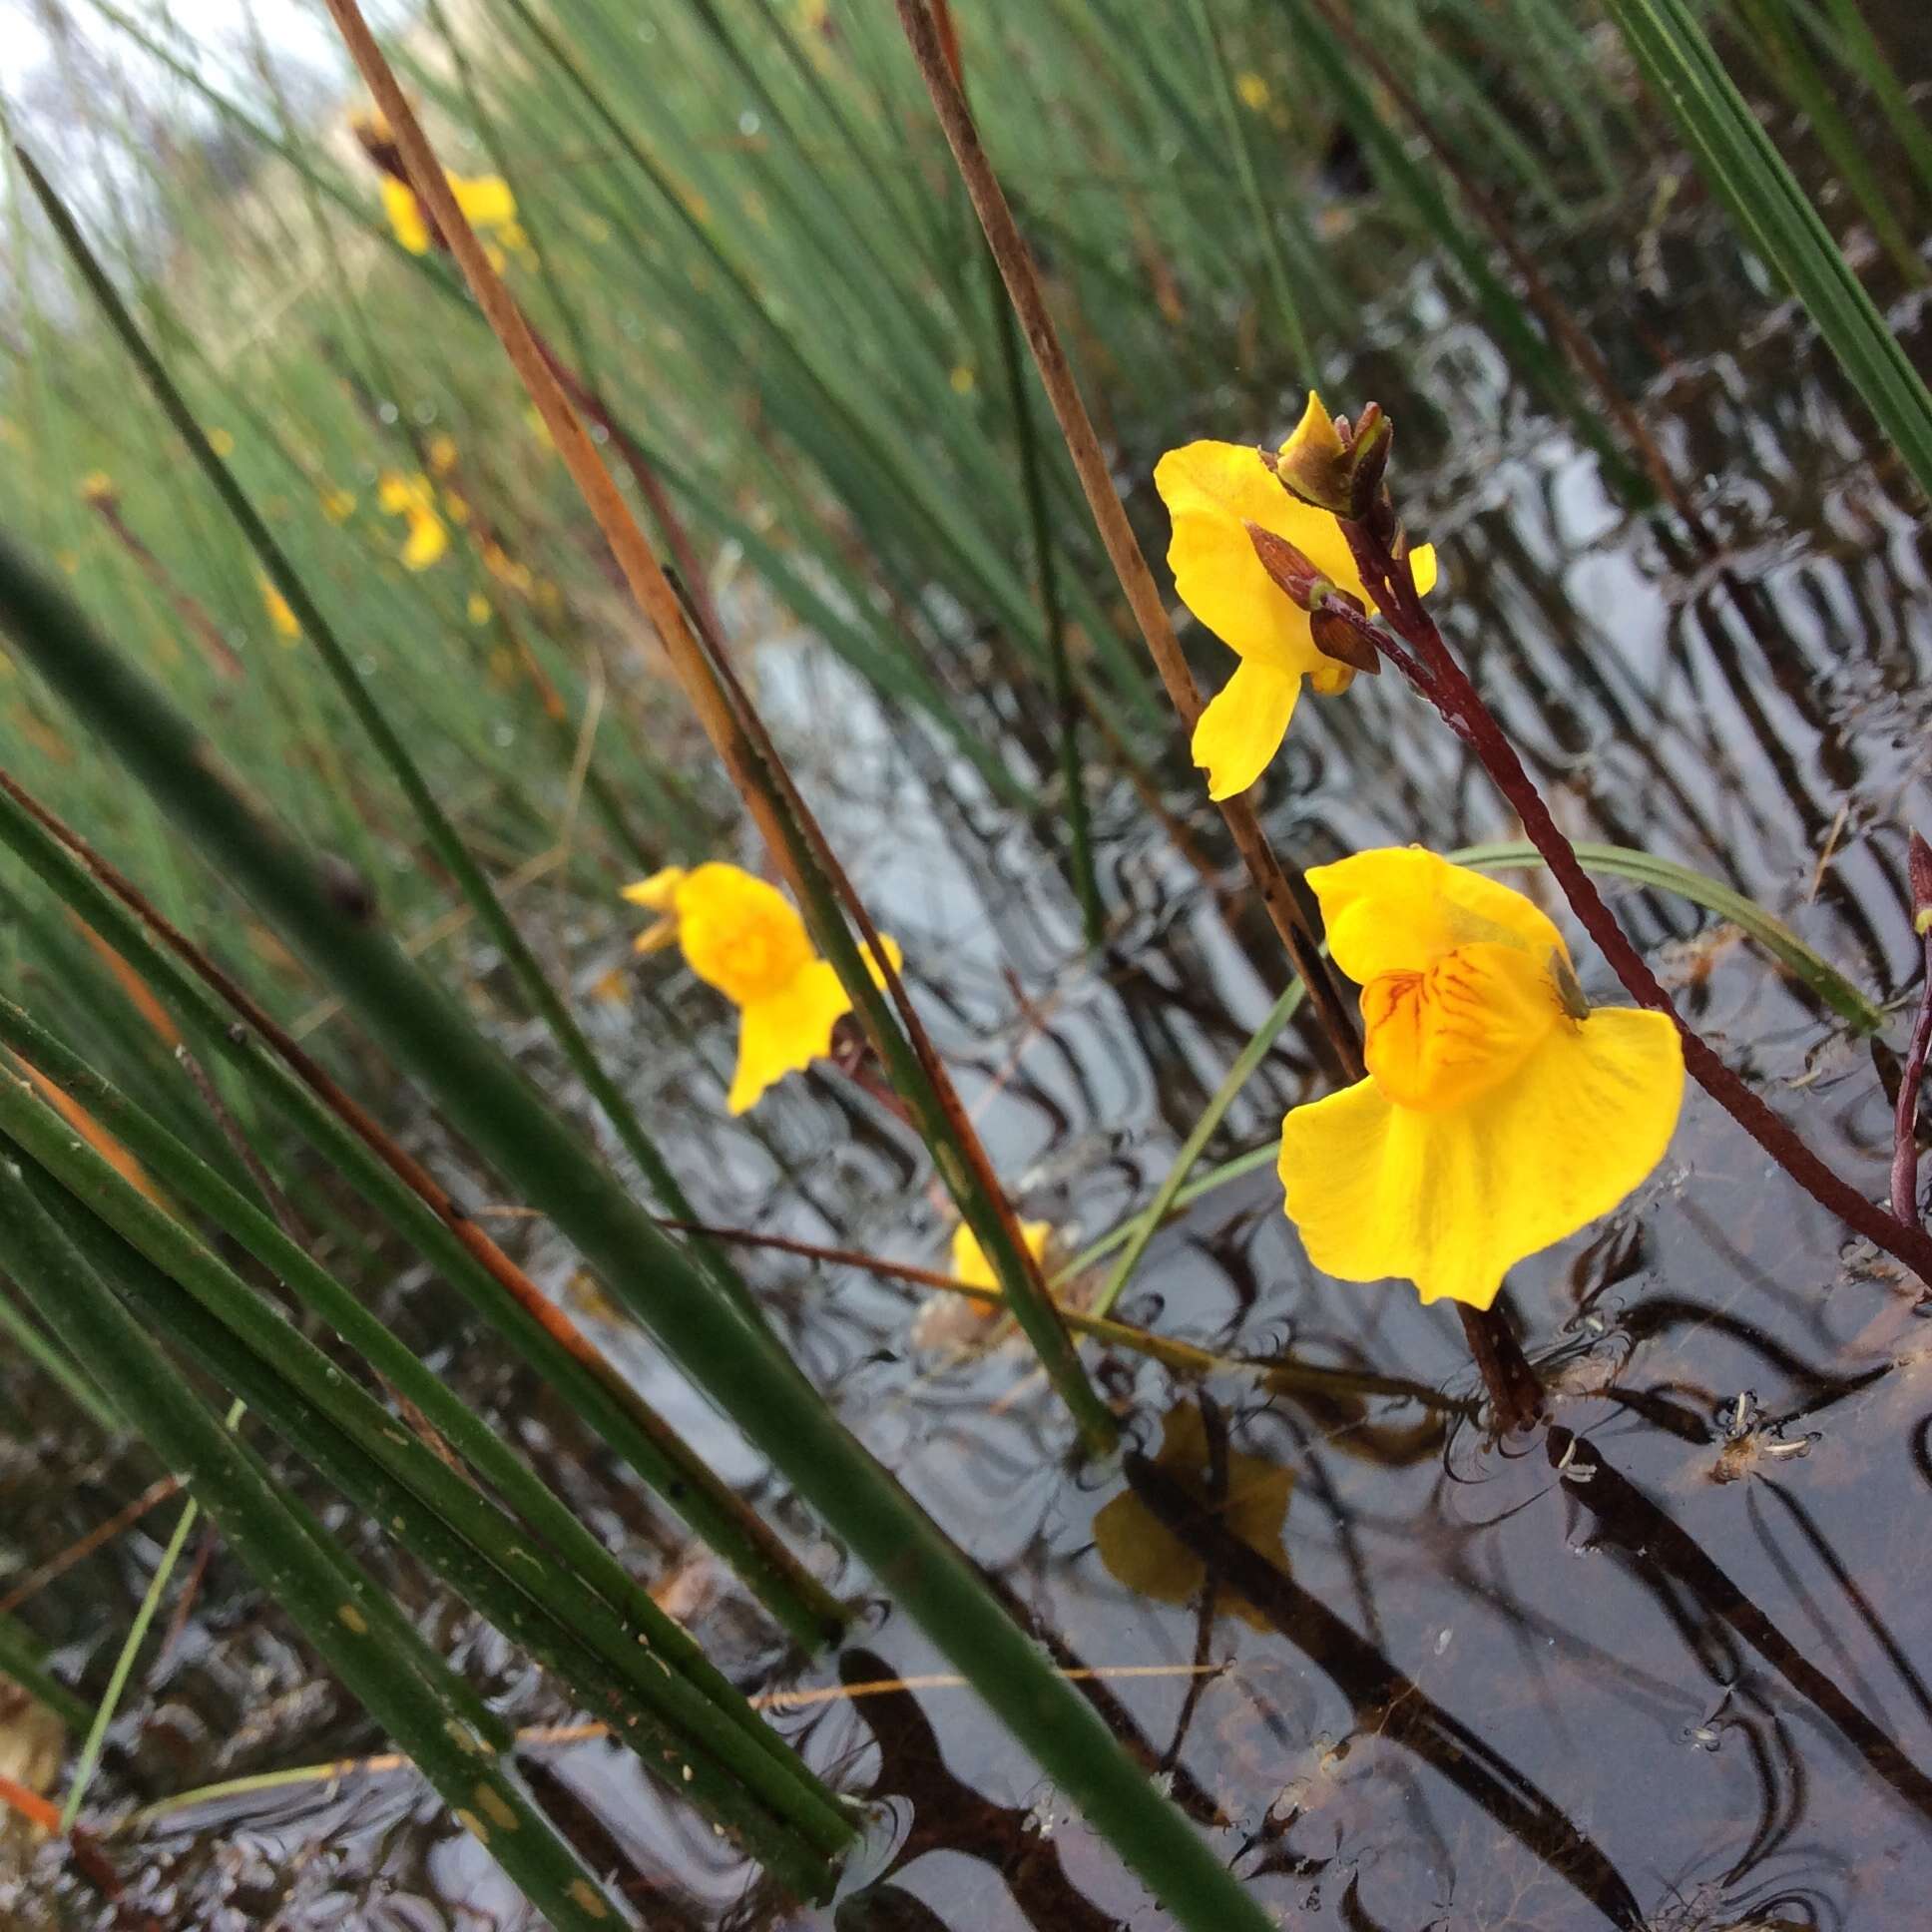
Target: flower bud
{"points": [[1343, 634], [1918, 866], [1290, 570], [1314, 463]]}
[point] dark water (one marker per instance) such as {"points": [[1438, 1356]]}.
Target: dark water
{"points": [[1662, 1662]]}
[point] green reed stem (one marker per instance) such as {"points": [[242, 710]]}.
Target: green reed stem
{"points": [[712, 1510], [643, 1623], [443, 837], [337, 1608], [189, 1295], [737, 1364], [1771, 210]]}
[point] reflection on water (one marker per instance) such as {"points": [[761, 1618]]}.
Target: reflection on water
{"points": [[1662, 1664]]}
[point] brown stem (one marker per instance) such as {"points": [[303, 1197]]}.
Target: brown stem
{"points": [[1515, 1394], [1905, 1122], [1024, 290], [1391, 583]]}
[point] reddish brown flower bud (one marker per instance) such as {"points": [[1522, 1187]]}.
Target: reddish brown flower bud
{"points": [[1918, 867], [1343, 634], [1291, 571]]}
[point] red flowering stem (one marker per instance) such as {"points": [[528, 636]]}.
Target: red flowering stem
{"points": [[1905, 1122], [1391, 584]]}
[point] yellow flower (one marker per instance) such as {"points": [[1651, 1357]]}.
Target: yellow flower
{"points": [[969, 1258], [337, 505], [441, 451], [1253, 91], [479, 608], [221, 442], [963, 380], [280, 615], [1499, 1114], [414, 499], [97, 486], [1214, 491], [485, 200], [745, 938]]}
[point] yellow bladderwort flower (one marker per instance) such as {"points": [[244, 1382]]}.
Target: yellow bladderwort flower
{"points": [[1500, 1113], [969, 1258], [745, 938], [1214, 492], [287, 627], [486, 202], [414, 499]]}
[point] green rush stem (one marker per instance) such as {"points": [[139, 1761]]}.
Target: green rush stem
{"points": [[1017, 270], [21, 1659], [447, 1524], [1391, 584], [1066, 698], [737, 1364], [350, 1623], [185, 1176], [443, 836], [412, 1199]]}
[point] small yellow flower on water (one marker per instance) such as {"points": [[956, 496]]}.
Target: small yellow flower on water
{"points": [[745, 938], [221, 442], [1253, 91], [337, 505], [479, 608], [1499, 1114], [1214, 491], [413, 498], [969, 1258], [280, 615]]}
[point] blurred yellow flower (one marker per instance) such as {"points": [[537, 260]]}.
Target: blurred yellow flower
{"points": [[745, 938], [414, 499], [1213, 492], [485, 200], [69, 561], [479, 608], [441, 451], [1500, 1113], [97, 487], [280, 615], [1253, 91], [504, 568], [962, 378], [969, 1258], [221, 442], [337, 505]]}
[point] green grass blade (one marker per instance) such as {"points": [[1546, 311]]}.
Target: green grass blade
{"points": [[1770, 209], [336, 1608], [739, 1365]]}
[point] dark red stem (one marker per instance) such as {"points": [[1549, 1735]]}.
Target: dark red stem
{"points": [[1515, 1394], [1391, 584], [1905, 1124]]}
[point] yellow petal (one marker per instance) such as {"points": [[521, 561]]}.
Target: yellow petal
{"points": [[1422, 561], [427, 539], [485, 200], [1453, 1200], [1314, 460], [894, 951], [969, 1263], [1213, 492], [405, 214], [785, 1032], [1437, 1039], [741, 935], [1399, 909], [283, 619], [1244, 725], [658, 893]]}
